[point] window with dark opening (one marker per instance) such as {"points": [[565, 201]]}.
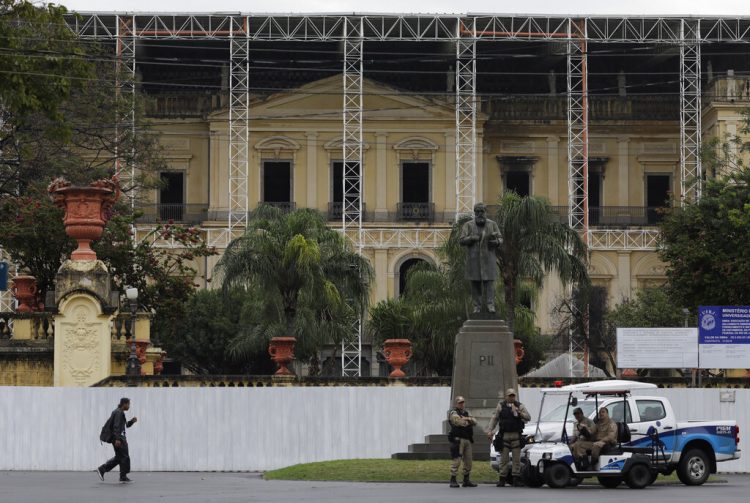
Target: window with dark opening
{"points": [[658, 188], [403, 273], [518, 182], [277, 182], [415, 182], [172, 195], [337, 185]]}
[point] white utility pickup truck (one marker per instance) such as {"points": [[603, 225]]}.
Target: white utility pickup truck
{"points": [[692, 448]]}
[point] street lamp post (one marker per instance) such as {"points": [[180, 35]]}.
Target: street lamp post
{"points": [[133, 367]]}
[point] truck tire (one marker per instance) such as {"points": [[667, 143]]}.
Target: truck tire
{"points": [[557, 475], [638, 477], [694, 467], [610, 482]]}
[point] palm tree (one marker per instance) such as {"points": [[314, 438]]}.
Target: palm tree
{"points": [[304, 280], [535, 243]]}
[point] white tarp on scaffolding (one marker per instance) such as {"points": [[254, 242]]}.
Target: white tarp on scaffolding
{"points": [[560, 367]]}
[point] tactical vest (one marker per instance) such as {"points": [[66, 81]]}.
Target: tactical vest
{"points": [[466, 432], [507, 421]]}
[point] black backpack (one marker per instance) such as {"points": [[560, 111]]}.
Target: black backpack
{"points": [[106, 433]]}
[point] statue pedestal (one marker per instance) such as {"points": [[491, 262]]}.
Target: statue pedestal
{"points": [[483, 366]]}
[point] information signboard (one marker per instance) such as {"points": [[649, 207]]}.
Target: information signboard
{"points": [[724, 337], [657, 348]]}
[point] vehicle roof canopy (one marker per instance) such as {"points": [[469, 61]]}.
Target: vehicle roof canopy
{"points": [[608, 387]]}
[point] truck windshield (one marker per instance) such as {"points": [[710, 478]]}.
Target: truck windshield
{"points": [[558, 413]]}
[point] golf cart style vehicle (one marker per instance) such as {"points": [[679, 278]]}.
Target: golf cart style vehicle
{"points": [[649, 439]]}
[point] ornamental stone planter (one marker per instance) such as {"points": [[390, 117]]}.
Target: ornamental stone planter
{"points": [[24, 290], [86, 211], [397, 353], [281, 350], [518, 347]]}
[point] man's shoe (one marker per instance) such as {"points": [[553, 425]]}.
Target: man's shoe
{"points": [[500, 482], [125, 479], [454, 483], [468, 482], [491, 309], [100, 472], [517, 482]]}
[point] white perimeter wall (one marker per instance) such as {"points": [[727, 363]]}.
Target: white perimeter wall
{"points": [[240, 429]]}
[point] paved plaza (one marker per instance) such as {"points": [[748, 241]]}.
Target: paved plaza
{"points": [[78, 487]]}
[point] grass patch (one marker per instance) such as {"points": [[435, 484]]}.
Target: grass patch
{"points": [[397, 470]]}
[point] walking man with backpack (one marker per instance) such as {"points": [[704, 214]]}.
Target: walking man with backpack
{"points": [[114, 432]]}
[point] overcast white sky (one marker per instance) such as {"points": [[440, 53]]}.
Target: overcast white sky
{"points": [[633, 7]]}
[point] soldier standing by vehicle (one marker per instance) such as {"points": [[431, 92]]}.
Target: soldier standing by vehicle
{"points": [[461, 437], [510, 417]]}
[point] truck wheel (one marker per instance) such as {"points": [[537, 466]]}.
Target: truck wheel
{"points": [[638, 476], [694, 467], [557, 475], [610, 482], [654, 476]]}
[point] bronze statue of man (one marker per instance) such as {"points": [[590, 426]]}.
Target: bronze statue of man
{"points": [[481, 236]]}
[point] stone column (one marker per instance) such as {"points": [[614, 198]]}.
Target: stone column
{"points": [[312, 170], [553, 170], [381, 177], [623, 170]]}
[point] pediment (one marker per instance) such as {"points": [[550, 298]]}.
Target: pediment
{"points": [[277, 143], [322, 100], [416, 143]]}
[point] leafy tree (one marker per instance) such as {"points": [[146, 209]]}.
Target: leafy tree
{"points": [[303, 277], [706, 244], [535, 244], [202, 339]]}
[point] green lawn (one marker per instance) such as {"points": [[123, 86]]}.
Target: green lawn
{"points": [[395, 470]]}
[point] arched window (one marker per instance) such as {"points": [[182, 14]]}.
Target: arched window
{"points": [[403, 272]]}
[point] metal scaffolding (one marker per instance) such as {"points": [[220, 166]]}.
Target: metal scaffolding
{"points": [[466, 120], [126, 82], [239, 115], [690, 111], [351, 347]]}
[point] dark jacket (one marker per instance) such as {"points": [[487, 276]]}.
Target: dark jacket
{"points": [[119, 424], [481, 263]]}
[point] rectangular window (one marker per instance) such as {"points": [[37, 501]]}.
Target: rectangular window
{"points": [[615, 411], [518, 182], [650, 410], [337, 182], [172, 195], [658, 189], [415, 182], [277, 182]]}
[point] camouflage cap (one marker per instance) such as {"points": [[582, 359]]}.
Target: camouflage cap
{"points": [[510, 391], [460, 399]]}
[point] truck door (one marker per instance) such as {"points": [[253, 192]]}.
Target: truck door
{"points": [[653, 412]]}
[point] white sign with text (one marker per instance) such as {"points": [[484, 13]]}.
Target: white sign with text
{"points": [[657, 348]]}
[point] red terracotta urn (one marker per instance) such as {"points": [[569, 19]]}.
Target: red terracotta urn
{"points": [[281, 350], [87, 210], [397, 353], [24, 290], [518, 347]]}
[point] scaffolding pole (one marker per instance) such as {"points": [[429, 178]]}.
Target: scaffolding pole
{"points": [[239, 116], [578, 161], [351, 347], [690, 111], [466, 119], [126, 82]]}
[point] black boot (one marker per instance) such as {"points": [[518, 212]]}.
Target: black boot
{"points": [[454, 483], [468, 482], [500, 482], [124, 478], [517, 482]]}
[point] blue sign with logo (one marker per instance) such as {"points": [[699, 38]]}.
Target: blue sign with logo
{"points": [[724, 325], [3, 276]]}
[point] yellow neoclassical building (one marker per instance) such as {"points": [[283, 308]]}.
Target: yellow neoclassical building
{"points": [[409, 158]]}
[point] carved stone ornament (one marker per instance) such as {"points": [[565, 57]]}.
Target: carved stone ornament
{"points": [[81, 343]]}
